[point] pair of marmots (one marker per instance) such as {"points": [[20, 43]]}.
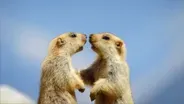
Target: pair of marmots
{"points": [[108, 75]]}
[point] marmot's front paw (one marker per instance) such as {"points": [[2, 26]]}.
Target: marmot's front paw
{"points": [[82, 89], [92, 96]]}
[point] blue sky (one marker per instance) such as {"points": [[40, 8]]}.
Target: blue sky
{"points": [[152, 30]]}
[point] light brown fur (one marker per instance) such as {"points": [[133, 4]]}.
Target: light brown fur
{"points": [[109, 74], [59, 79]]}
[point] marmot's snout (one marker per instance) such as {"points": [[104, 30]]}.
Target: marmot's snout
{"points": [[92, 38], [84, 38]]}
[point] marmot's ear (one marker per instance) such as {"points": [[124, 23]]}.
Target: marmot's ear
{"points": [[119, 47], [60, 42], [119, 44]]}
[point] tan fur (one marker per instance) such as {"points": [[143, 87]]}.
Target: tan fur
{"points": [[109, 74], [59, 79]]}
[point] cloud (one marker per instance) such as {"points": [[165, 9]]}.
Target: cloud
{"points": [[10, 95], [28, 41], [32, 44]]}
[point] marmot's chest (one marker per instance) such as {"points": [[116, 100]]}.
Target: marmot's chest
{"points": [[109, 68], [101, 71]]}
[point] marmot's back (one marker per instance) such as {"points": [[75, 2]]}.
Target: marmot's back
{"points": [[56, 97]]}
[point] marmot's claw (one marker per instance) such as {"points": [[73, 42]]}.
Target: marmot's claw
{"points": [[92, 97], [82, 89]]}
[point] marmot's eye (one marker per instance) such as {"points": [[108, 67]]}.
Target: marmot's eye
{"points": [[106, 38], [73, 35]]}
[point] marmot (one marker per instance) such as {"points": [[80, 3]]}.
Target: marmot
{"points": [[58, 78], [109, 74]]}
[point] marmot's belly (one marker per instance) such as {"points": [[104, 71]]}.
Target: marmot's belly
{"points": [[100, 74]]}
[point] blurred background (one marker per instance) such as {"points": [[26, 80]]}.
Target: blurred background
{"points": [[153, 31]]}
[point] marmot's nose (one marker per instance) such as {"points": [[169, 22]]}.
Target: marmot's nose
{"points": [[91, 36], [85, 35]]}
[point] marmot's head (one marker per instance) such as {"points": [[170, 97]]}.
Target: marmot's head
{"points": [[105, 44], [68, 43]]}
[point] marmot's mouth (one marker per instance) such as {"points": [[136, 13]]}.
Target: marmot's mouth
{"points": [[92, 42], [85, 41], [80, 49], [93, 47]]}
